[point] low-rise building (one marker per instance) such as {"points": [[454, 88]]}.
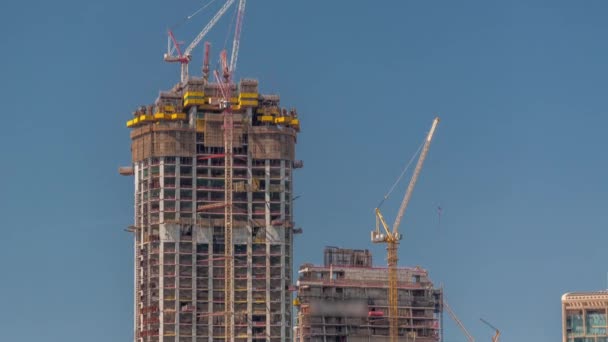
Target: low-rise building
{"points": [[584, 316], [346, 299]]}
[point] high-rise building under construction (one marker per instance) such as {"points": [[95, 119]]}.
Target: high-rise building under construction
{"points": [[178, 163]]}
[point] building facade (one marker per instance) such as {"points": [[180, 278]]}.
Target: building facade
{"points": [[179, 170], [584, 317], [346, 299]]}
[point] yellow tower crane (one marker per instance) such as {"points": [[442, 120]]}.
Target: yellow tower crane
{"points": [[455, 318], [496, 331], [391, 238]]}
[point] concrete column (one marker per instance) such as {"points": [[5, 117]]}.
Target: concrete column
{"points": [[161, 289], [211, 256], [178, 164], [161, 258], [266, 228], [137, 234], [267, 193], [177, 294], [284, 326], [161, 202], [194, 187], [249, 244], [194, 249]]}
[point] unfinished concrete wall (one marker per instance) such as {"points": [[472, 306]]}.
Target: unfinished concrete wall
{"points": [[272, 143], [162, 141]]}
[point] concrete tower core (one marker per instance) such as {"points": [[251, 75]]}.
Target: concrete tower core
{"points": [[178, 167]]}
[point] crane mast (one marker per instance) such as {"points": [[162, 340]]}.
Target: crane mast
{"points": [[206, 61], [229, 263], [226, 89], [225, 84], [392, 238]]}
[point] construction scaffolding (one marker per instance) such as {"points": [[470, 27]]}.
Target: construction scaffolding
{"points": [[179, 169], [347, 257], [344, 302]]}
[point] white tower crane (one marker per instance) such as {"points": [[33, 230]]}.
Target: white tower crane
{"points": [[185, 57]]}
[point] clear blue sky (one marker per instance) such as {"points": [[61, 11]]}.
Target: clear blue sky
{"points": [[518, 163]]}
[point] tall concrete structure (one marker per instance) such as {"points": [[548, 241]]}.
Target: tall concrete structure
{"points": [[346, 299], [584, 317], [178, 166]]}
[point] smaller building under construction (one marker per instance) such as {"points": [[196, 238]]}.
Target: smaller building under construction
{"points": [[346, 299]]}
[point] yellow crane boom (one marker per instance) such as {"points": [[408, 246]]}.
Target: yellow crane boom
{"points": [[455, 318], [496, 331], [391, 238]]}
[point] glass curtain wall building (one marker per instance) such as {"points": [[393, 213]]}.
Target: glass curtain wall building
{"points": [[584, 317]]}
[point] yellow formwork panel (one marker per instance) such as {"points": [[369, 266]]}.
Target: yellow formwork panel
{"points": [[252, 103], [282, 120], [130, 123], [162, 116], [194, 94], [266, 118], [178, 116], [248, 95], [295, 123], [168, 108], [194, 102], [194, 98], [135, 121], [144, 118], [200, 125]]}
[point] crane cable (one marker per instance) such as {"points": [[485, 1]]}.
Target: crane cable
{"points": [[200, 9], [192, 15], [390, 191], [232, 19]]}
